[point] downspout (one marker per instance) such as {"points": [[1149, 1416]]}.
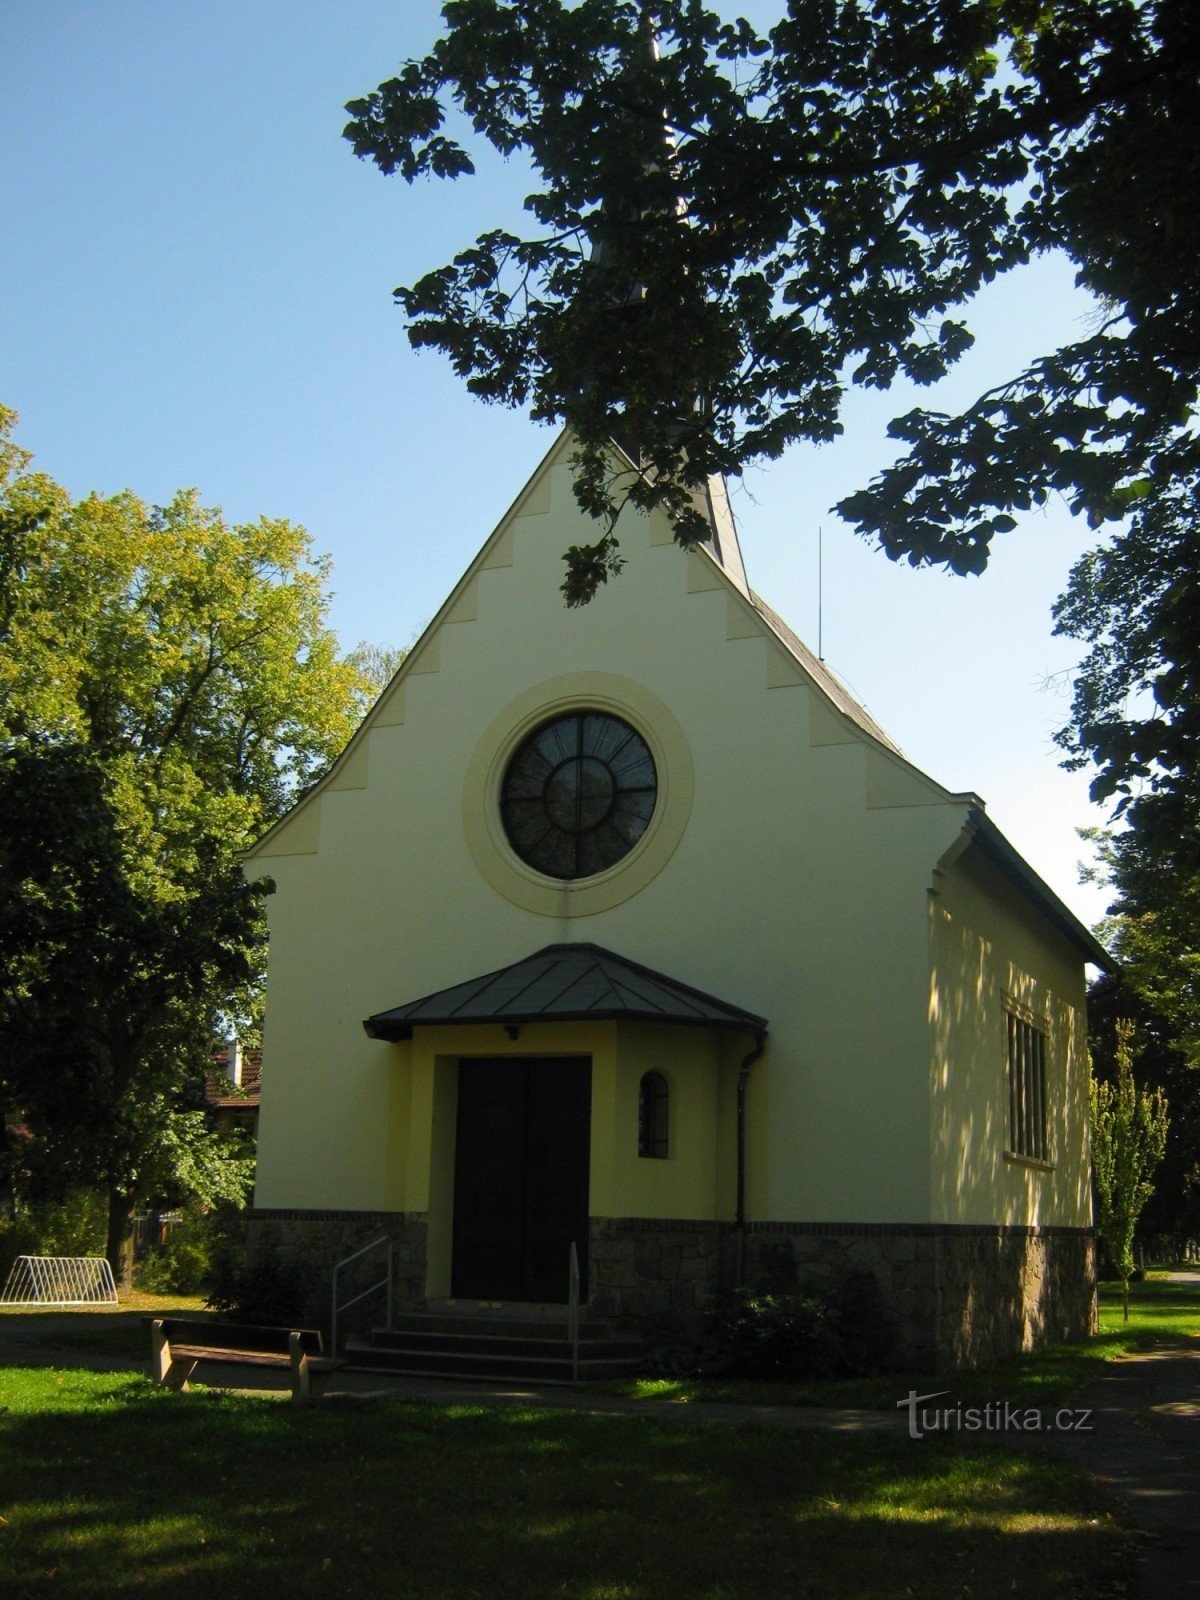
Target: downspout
{"points": [[760, 1044]]}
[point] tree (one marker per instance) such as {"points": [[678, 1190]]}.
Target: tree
{"points": [[168, 685], [730, 229], [1154, 929], [1136, 716], [1171, 1218], [377, 665], [107, 989], [1129, 1135]]}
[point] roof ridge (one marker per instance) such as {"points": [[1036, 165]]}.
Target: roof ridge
{"points": [[608, 987], [826, 679]]}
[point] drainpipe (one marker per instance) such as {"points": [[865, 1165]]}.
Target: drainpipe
{"points": [[760, 1044]]}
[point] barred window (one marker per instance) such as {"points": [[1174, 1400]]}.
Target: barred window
{"points": [[1026, 1090], [653, 1105]]}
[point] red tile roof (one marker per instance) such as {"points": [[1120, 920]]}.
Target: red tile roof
{"points": [[216, 1088]]}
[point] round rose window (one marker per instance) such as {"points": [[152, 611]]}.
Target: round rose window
{"points": [[578, 794]]}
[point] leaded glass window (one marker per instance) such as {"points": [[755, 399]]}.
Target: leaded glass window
{"points": [[578, 794]]}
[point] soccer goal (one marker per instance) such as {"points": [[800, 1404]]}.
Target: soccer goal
{"points": [[59, 1281]]}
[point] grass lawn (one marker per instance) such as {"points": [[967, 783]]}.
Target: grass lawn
{"points": [[111, 1486], [116, 1332], [1157, 1310]]}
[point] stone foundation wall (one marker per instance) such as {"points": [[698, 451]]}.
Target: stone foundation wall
{"points": [[653, 1276], [315, 1241], [1010, 1289], [820, 1257], [957, 1296]]}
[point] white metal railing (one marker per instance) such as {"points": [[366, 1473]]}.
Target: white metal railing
{"points": [[386, 1282], [573, 1313]]}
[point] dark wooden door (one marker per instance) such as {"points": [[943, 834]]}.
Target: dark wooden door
{"points": [[521, 1177]]}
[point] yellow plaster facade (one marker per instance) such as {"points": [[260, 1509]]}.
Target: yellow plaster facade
{"points": [[991, 954], [796, 867]]}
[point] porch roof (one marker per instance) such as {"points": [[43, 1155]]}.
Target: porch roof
{"points": [[565, 983]]}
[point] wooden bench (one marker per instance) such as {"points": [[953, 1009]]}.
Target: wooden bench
{"points": [[177, 1345]]}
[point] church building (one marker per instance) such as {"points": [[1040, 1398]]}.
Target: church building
{"points": [[626, 933]]}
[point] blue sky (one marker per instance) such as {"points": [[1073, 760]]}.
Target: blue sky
{"points": [[197, 291]]}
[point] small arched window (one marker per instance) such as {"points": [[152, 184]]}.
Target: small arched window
{"points": [[653, 1105]]}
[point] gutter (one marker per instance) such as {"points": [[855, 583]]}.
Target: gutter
{"points": [[760, 1044]]}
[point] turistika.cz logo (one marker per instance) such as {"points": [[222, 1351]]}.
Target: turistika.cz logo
{"points": [[996, 1416]]}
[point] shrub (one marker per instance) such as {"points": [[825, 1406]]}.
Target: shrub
{"points": [[271, 1289], [794, 1337], [785, 1337], [181, 1264], [75, 1226]]}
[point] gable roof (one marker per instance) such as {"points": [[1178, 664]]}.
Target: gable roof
{"points": [[565, 983], [722, 555], [821, 675], [981, 832]]}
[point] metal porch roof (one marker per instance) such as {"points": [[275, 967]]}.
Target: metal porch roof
{"points": [[565, 983]]}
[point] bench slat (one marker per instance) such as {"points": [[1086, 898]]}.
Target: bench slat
{"points": [[246, 1358], [238, 1336]]}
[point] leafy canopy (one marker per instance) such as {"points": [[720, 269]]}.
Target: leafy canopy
{"points": [[730, 230], [168, 685]]}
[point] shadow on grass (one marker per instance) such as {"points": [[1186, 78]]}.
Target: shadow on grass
{"points": [[114, 1487], [119, 1332]]}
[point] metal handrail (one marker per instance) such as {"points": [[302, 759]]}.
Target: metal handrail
{"points": [[573, 1313], [386, 1282]]}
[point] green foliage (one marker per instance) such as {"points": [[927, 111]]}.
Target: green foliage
{"points": [[1136, 605], [272, 1289], [787, 1337], [376, 665], [729, 231], [179, 1266], [74, 1226], [1171, 1218], [1129, 1135], [186, 1261], [791, 1337], [168, 685]]}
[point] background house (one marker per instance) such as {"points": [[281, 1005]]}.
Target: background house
{"points": [[233, 1093], [664, 950]]}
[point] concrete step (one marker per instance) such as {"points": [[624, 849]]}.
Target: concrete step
{"points": [[479, 1362], [466, 1340], [495, 1325]]}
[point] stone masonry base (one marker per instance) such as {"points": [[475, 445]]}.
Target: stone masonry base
{"points": [[313, 1242], [958, 1296]]}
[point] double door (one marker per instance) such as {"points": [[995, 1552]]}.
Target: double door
{"points": [[521, 1177]]}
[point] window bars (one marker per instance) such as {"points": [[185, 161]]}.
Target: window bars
{"points": [[1027, 1120], [59, 1281]]}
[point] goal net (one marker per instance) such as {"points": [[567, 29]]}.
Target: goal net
{"points": [[53, 1281]]}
